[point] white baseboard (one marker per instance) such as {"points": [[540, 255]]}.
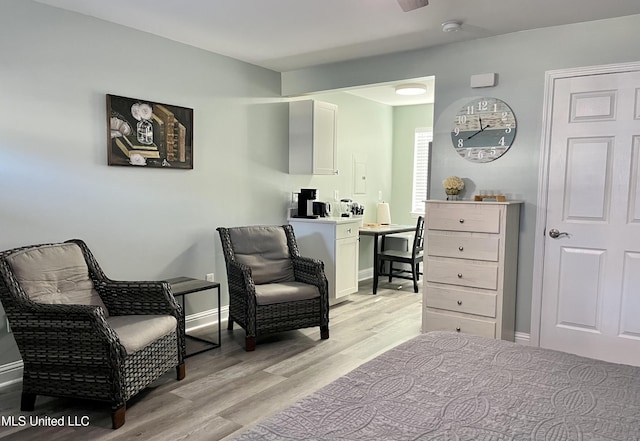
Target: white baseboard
{"points": [[206, 318], [522, 338], [11, 373], [365, 274]]}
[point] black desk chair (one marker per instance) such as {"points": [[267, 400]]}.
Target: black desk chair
{"points": [[412, 257]]}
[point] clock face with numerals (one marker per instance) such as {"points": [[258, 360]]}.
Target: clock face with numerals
{"points": [[483, 129]]}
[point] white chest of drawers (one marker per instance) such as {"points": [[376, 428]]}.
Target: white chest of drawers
{"points": [[471, 262]]}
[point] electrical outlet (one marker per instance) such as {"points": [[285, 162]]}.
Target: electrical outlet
{"points": [[209, 277]]}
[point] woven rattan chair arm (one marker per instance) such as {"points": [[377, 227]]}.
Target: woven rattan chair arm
{"points": [[307, 267], [240, 279], [142, 297], [53, 322], [66, 311], [311, 271]]}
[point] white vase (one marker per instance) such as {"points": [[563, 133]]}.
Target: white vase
{"points": [[452, 194]]}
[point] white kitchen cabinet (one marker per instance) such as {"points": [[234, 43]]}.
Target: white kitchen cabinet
{"points": [[312, 138], [471, 263], [335, 241]]}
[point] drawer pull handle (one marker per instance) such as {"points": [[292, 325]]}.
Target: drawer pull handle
{"points": [[459, 302], [460, 248], [461, 221], [458, 329], [459, 275], [348, 230]]}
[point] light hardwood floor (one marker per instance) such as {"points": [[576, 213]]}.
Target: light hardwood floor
{"points": [[227, 390]]}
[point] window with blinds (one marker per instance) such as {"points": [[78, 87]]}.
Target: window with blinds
{"points": [[421, 168]]}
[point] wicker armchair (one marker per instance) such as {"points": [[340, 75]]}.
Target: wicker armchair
{"points": [[271, 287], [82, 335]]}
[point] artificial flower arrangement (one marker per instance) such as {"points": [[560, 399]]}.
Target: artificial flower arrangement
{"points": [[453, 185]]}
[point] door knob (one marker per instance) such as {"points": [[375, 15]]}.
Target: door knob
{"points": [[554, 233]]}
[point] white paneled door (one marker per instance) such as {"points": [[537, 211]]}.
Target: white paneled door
{"points": [[591, 282]]}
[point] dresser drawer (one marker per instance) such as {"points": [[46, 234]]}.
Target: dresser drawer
{"points": [[463, 273], [459, 300], [434, 321], [463, 246], [349, 229], [464, 217]]}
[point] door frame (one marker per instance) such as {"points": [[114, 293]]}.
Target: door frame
{"points": [[543, 178]]}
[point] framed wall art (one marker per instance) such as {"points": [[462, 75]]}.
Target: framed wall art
{"points": [[143, 133]]}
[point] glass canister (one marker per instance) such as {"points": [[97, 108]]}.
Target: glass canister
{"points": [[145, 132]]}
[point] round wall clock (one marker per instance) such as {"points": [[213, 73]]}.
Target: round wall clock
{"points": [[483, 129]]}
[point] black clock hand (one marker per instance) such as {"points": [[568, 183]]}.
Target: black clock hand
{"points": [[471, 136], [479, 131]]}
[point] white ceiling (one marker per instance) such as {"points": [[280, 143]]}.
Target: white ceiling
{"points": [[285, 35]]}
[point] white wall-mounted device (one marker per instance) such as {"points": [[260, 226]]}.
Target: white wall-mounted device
{"points": [[483, 80]]}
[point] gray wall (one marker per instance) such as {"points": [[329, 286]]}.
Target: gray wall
{"points": [[57, 67], [142, 224], [406, 119], [150, 224], [521, 60]]}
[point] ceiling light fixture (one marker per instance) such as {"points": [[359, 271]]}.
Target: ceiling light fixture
{"points": [[410, 5], [411, 89], [451, 26]]}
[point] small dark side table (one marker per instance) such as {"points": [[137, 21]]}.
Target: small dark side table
{"points": [[180, 287]]}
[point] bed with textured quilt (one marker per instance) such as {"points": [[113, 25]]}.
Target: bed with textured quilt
{"points": [[448, 386]]}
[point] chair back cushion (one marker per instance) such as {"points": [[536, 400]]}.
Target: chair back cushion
{"points": [[55, 273], [265, 250]]}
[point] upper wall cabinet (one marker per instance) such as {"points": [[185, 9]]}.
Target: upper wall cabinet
{"points": [[312, 138]]}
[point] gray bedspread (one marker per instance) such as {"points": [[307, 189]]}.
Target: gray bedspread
{"points": [[445, 386]]}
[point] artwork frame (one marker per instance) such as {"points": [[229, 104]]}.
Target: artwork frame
{"points": [[149, 134]]}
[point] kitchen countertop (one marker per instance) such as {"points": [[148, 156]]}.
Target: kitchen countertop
{"points": [[326, 220]]}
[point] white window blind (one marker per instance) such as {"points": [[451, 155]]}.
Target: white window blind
{"points": [[421, 159]]}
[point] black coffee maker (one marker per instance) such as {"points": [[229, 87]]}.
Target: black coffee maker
{"points": [[305, 203]]}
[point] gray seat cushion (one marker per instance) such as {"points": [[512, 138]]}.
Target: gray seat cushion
{"points": [[138, 331], [55, 274], [264, 249], [270, 293]]}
